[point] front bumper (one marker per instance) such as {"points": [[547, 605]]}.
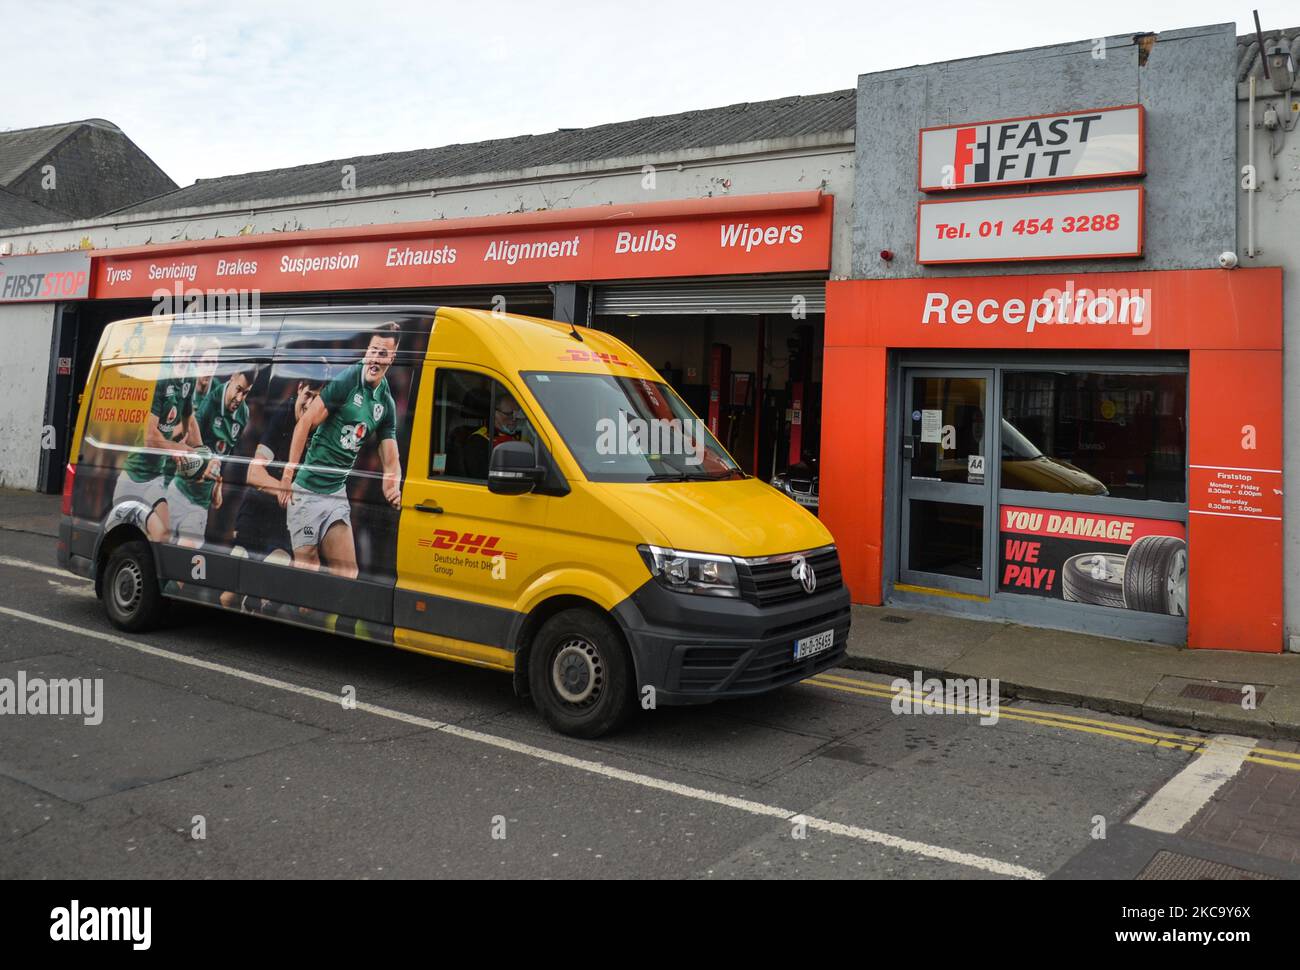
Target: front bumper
{"points": [[695, 649]]}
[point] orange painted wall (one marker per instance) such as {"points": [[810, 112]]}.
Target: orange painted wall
{"points": [[1234, 552], [1230, 322]]}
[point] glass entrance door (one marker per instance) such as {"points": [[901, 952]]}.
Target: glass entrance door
{"points": [[947, 472]]}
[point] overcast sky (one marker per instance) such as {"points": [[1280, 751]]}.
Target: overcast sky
{"points": [[213, 88]]}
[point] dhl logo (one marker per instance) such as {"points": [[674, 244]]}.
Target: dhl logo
{"points": [[591, 356], [475, 545]]}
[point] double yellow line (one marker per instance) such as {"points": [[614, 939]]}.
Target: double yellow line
{"points": [[1069, 722]]}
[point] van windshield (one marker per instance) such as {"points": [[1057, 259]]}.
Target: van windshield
{"points": [[624, 429]]}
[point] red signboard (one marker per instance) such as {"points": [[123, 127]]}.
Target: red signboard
{"points": [[1193, 309], [616, 243]]}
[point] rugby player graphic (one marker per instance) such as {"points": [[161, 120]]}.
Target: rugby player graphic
{"points": [[260, 528], [352, 409], [204, 369], [171, 432], [222, 417]]}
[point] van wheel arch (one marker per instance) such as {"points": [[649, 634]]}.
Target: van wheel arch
{"points": [[118, 536], [522, 641]]}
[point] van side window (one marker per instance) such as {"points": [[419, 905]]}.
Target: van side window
{"points": [[471, 414]]}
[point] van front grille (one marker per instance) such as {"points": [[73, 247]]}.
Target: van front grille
{"points": [[773, 583]]}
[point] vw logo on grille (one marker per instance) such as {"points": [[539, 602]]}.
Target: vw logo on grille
{"points": [[803, 572]]}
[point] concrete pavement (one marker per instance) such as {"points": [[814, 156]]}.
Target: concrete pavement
{"points": [[1156, 682]]}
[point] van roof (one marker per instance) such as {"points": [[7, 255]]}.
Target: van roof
{"points": [[531, 343], [525, 343]]}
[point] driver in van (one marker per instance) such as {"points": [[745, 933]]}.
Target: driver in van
{"points": [[506, 423]]}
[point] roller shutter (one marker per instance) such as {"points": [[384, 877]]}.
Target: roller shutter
{"points": [[731, 296]]}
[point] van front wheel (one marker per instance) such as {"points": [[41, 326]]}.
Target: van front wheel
{"points": [[579, 674]]}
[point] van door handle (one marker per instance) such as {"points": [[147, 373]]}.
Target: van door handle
{"points": [[429, 507]]}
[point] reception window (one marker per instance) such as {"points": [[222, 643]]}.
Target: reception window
{"points": [[1118, 434]]}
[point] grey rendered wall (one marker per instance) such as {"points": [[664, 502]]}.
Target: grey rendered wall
{"points": [[1277, 236], [1187, 87], [25, 332]]}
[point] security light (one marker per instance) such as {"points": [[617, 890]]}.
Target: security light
{"points": [[1281, 69]]}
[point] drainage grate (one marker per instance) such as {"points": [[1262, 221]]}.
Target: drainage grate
{"points": [[1174, 865], [1221, 695], [895, 619]]}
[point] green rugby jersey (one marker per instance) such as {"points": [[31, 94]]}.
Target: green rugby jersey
{"points": [[172, 406], [356, 411], [196, 405], [220, 430]]}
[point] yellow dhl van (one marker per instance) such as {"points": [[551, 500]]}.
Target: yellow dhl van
{"points": [[501, 491]]}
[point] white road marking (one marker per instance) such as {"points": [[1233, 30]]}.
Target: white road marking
{"points": [[942, 854], [37, 567], [1185, 794], [63, 589]]}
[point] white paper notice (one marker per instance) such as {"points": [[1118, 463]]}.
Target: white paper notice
{"points": [[931, 427]]}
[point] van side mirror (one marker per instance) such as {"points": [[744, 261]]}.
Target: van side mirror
{"points": [[513, 469]]}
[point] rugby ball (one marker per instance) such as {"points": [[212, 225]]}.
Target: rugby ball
{"points": [[192, 464]]}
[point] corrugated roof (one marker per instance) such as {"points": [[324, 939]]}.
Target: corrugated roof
{"points": [[782, 118], [16, 211], [1248, 60]]}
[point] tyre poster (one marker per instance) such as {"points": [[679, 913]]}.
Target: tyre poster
{"points": [[1103, 560]]}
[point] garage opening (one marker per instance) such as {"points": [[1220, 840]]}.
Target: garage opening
{"points": [[746, 355]]}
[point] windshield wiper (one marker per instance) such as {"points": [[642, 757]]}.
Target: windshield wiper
{"points": [[683, 477]]}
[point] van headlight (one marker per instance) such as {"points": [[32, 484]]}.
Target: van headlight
{"points": [[692, 572]]}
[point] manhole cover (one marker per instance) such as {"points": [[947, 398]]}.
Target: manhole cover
{"points": [[895, 619], [1174, 865], [1219, 694]]}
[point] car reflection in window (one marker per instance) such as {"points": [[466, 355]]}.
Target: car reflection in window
{"points": [[1025, 467]]}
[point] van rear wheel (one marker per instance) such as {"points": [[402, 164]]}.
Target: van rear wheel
{"points": [[131, 595], [579, 674]]}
